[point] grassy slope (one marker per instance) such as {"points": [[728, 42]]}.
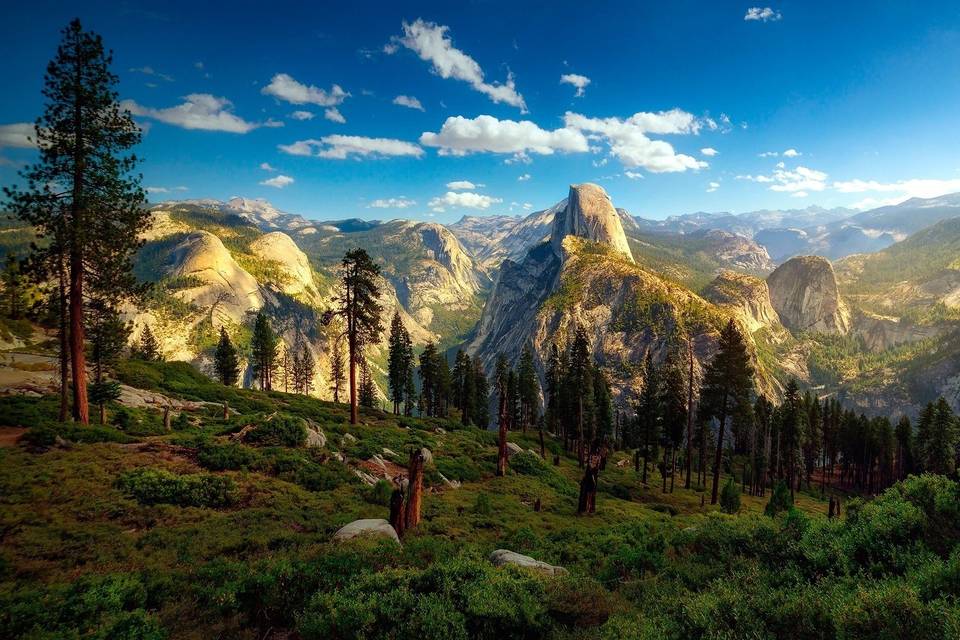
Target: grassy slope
{"points": [[62, 516]]}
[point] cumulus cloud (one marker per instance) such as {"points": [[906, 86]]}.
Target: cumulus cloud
{"points": [[577, 80], [462, 185], [713, 186], [462, 199], [408, 101], [19, 135], [902, 190], [430, 41], [392, 203], [523, 178], [302, 115], [198, 111], [339, 147], [800, 179], [764, 14], [709, 152], [459, 136], [284, 87], [633, 175], [333, 115], [278, 182], [791, 153], [628, 140], [266, 166]]}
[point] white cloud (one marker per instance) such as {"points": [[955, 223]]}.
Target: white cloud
{"points": [[800, 179], [278, 182], [163, 189], [19, 135], [393, 203], [577, 80], [709, 152], [199, 111], [429, 41], [273, 124], [408, 101], [339, 147], [284, 87], [302, 115], [333, 115], [765, 14], [523, 178], [462, 199], [799, 194], [629, 143], [913, 188], [713, 186], [633, 175], [150, 71], [266, 166], [528, 205], [459, 136], [462, 185], [791, 153], [768, 154]]}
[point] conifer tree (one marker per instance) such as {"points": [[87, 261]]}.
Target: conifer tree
{"points": [[481, 396], [148, 348], [108, 338], [554, 380], [502, 381], [649, 413], [82, 197], [368, 388], [263, 347], [226, 362], [337, 366], [673, 407], [358, 306], [304, 369], [905, 448], [14, 288], [727, 384], [429, 379], [937, 438], [410, 386], [528, 389], [792, 419], [581, 384], [396, 361]]}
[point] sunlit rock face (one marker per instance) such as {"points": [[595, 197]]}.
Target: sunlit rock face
{"points": [[804, 292]]}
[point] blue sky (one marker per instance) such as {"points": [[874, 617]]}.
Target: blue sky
{"points": [[685, 106]]}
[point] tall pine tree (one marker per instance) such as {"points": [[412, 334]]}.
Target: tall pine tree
{"points": [[263, 347], [83, 195], [226, 363]]}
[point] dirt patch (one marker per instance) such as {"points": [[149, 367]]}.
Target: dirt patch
{"points": [[10, 435]]}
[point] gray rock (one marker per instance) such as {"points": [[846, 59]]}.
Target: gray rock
{"points": [[367, 527], [804, 293], [427, 456], [513, 449], [316, 438], [502, 557]]}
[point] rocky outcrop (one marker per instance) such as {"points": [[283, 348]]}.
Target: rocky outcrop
{"points": [[736, 251], [804, 292], [376, 527], [747, 296], [880, 333], [502, 557], [295, 277], [590, 215]]}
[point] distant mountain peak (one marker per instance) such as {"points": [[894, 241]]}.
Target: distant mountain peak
{"points": [[590, 214]]}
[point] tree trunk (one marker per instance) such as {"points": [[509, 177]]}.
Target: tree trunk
{"points": [[673, 466], [663, 472], [78, 359], [587, 501], [502, 448], [543, 451], [414, 490], [354, 410], [166, 418], [718, 460], [63, 338], [689, 461], [398, 517]]}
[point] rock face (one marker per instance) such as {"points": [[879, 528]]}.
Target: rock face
{"points": [[736, 251], [502, 557], [219, 281], [804, 293], [296, 276], [747, 296], [590, 215], [368, 527]]}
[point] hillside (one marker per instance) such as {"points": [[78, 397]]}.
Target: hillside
{"points": [[207, 532]]}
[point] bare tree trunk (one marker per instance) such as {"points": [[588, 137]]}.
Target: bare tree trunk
{"points": [[166, 418], [398, 516], [414, 490], [718, 460], [587, 501], [78, 359], [689, 460], [63, 338]]}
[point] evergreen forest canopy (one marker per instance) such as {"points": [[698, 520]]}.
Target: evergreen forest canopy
{"points": [[458, 500]]}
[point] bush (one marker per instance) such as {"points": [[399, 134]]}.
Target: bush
{"points": [[528, 464], [730, 497], [579, 602], [669, 509], [279, 431], [181, 422], [780, 499], [155, 486], [380, 493], [482, 505], [224, 457], [45, 436]]}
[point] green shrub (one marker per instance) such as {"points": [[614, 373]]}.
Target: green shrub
{"points": [[45, 436], [181, 422], [578, 602], [155, 486], [730, 497], [379, 493], [664, 508], [528, 464], [224, 457], [780, 499], [482, 505], [279, 431]]}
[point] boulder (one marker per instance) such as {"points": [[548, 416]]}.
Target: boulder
{"points": [[513, 449], [805, 295], [367, 527], [427, 456], [502, 557], [316, 438]]}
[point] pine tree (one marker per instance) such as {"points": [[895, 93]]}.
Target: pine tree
{"points": [[442, 391], [429, 377], [581, 384], [226, 362], [528, 388], [108, 338], [649, 414], [937, 438], [396, 361], [359, 291], [410, 385], [673, 405], [481, 385], [603, 407], [306, 369], [554, 380], [502, 381], [727, 384], [14, 288], [148, 349], [905, 448], [792, 419], [337, 366], [82, 195], [465, 387], [368, 388], [263, 347]]}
